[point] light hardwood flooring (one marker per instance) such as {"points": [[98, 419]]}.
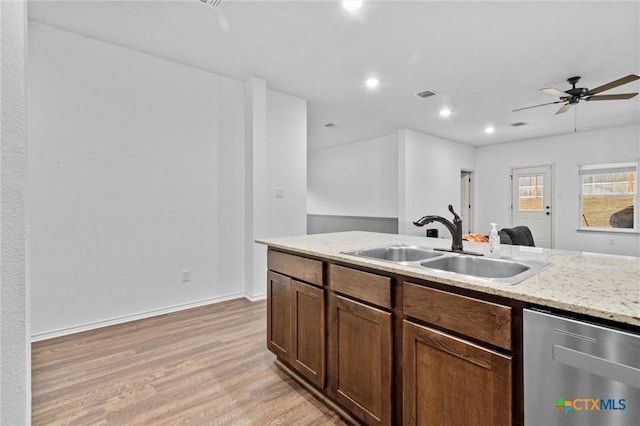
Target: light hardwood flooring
{"points": [[203, 366]]}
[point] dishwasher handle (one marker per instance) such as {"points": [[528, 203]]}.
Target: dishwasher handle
{"points": [[596, 365]]}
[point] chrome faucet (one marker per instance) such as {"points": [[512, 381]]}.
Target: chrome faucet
{"points": [[455, 228]]}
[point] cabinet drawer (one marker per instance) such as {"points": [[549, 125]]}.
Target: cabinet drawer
{"points": [[485, 321], [371, 288], [304, 269]]}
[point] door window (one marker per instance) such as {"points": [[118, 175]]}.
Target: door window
{"points": [[530, 190]]}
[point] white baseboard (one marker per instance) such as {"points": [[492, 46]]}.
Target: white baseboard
{"points": [[255, 297], [141, 315]]}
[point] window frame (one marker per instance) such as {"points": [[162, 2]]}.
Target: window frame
{"points": [[636, 197]]}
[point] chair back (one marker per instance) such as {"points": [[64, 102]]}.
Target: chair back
{"points": [[520, 236]]}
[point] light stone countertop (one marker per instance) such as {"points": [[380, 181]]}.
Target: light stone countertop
{"points": [[600, 285]]}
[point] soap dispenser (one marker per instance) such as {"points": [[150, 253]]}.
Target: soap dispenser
{"points": [[494, 241]]}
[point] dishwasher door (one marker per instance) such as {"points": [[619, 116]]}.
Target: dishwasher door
{"points": [[578, 373]]}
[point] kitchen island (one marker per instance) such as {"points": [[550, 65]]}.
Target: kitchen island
{"points": [[387, 343]]}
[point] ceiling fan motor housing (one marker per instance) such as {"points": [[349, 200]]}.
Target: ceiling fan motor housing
{"points": [[576, 93], [573, 80], [575, 97]]}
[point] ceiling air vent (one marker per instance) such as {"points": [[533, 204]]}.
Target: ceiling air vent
{"points": [[518, 124], [212, 3], [427, 94]]}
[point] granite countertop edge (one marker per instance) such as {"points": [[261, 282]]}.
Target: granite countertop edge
{"points": [[600, 285]]}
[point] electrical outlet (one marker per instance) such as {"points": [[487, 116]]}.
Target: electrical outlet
{"points": [[186, 275]]}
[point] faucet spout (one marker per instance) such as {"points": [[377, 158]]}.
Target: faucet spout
{"points": [[455, 227]]}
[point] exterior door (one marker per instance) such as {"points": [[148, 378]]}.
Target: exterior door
{"points": [[531, 202]]}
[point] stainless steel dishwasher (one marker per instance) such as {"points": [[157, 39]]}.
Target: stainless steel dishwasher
{"points": [[578, 373]]}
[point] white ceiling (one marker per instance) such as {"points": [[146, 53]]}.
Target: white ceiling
{"points": [[485, 58]]}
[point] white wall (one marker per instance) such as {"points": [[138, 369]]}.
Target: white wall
{"points": [[566, 153], [15, 345], [287, 164], [351, 180], [135, 173], [256, 221], [141, 168], [357, 179], [407, 175], [277, 151], [231, 207], [429, 178]]}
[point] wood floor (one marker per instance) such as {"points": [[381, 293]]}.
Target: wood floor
{"points": [[202, 366]]}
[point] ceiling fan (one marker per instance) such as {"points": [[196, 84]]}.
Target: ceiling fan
{"points": [[577, 94]]}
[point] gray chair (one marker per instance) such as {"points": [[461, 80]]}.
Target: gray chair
{"points": [[504, 237], [519, 236]]}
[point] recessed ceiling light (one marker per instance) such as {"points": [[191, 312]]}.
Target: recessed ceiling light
{"points": [[372, 83], [445, 112], [352, 6], [489, 130]]}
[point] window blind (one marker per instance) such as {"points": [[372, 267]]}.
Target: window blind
{"points": [[602, 169]]}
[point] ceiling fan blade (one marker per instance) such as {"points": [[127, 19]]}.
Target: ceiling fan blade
{"points": [[536, 106], [563, 108], [612, 97], [614, 83], [555, 92]]}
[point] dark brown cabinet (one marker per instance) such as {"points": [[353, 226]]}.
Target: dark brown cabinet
{"points": [[360, 344], [308, 331], [278, 314], [360, 359], [449, 381], [296, 318], [383, 350]]}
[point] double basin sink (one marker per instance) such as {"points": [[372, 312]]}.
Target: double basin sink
{"points": [[500, 270]]}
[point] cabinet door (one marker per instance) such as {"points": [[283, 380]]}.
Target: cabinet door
{"points": [[278, 315], [449, 381], [308, 331], [360, 355]]}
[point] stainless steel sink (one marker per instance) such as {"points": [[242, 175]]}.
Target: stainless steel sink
{"points": [[400, 253], [505, 271]]}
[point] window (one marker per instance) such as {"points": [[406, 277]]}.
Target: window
{"points": [[608, 196]]}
